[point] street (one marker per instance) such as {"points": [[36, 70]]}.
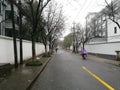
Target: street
{"points": [[67, 71]]}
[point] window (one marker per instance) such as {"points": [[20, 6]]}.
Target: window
{"points": [[7, 14], [3, 7], [115, 30], [0, 7], [0, 28], [8, 32]]}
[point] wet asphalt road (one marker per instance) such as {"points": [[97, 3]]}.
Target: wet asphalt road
{"points": [[65, 72]]}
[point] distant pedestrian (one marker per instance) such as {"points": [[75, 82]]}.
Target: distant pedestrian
{"points": [[56, 49], [84, 53]]}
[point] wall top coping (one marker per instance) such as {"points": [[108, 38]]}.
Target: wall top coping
{"points": [[102, 43], [10, 38]]}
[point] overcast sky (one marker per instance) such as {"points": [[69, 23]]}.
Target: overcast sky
{"points": [[76, 10]]}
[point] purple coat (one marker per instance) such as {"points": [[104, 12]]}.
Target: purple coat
{"points": [[84, 51]]}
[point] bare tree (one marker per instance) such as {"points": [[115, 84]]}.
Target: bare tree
{"points": [[21, 36], [112, 10], [42, 34], [83, 35], [14, 36], [54, 24], [78, 36], [35, 15], [68, 41], [35, 8]]}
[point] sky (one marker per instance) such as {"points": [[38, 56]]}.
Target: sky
{"points": [[77, 10]]}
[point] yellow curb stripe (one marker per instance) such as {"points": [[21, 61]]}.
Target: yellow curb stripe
{"points": [[99, 79]]}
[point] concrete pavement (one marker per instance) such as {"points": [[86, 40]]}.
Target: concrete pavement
{"points": [[22, 78], [93, 57]]}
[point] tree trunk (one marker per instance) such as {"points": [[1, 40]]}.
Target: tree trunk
{"points": [[45, 48], [14, 35], [21, 51], [20, 30], [50, 48], [73, 48], [83, 45], [53, 47], [77, 47], [50, 45], [33, 49]]}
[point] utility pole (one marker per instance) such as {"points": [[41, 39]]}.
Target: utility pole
{"points": [[85, 37], [73, 37]]}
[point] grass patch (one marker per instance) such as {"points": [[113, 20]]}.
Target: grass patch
{"points": [[5, 71], [44, 59], [41, 60], [48, 54], [34, 63]]}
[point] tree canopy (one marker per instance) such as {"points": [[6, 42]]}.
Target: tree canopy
{"points": [[67, 41]]}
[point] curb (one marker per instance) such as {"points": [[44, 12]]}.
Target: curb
{"points": [[37, 75], [113, 62]]}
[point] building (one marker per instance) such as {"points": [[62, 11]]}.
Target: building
{"points": [[3, 5], [102, 27], [96, 23], [105, 33], [5, 19]]}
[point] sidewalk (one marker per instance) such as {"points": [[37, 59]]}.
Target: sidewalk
{"points": [[93, 57], [100, 59], [23, 77]]}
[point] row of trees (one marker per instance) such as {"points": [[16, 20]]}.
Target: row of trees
{"points": [[43, 22], [80, 36], [77, 38]]}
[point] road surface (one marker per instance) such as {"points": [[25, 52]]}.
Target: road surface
{"points": [[67, 71]]}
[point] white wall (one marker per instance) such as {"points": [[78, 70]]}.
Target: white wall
{"points": [[7, 53], [0, 18], [113, 37], [105, 48]]}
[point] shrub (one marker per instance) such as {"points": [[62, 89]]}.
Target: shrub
{"points": [[33, 63], [48, 54], [5, 70]]}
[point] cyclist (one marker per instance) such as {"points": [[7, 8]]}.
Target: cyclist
{"points": [[84, 53]]}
